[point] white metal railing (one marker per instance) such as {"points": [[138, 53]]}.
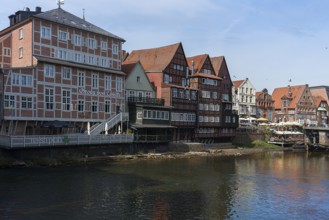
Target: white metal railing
{"points": [[111, 122], [11, 142]]}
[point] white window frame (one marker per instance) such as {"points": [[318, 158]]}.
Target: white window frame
{"points": [[66, 99], [20, 52], [49, 70], [21, 33], [118, 84], [66, 72], [81, 79], [108, 82], [26, 102], [63, 35], [9, 101], [77, 40], [49, 98], [81, 105], [94, 106], [104, 45], [107, 106], [45, 32], [94, 81], [115, 49]]}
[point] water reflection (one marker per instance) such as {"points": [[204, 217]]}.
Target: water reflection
{"points": [[268, 186]]}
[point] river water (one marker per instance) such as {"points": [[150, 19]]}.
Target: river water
{"points": [[273, 185]]}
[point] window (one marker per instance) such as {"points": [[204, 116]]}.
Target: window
{"points": [[26, 80], [148, 94], [95, 81], [49, 70], [119, 84], [94, 107], [104, 62], [77, 57], [26, 102], [108, 80], [9, 101], [77, 40], [193, 95], [104, 45], [14, 79], [200, 106], [81, 79], [214, 95], [174, 92], [166, 78], [66, 73], [108, 106], [20, 52], [63, 35], [115, 48], [6, 52], [91, 43], [138, 79], [81, 106], [62, 54], [45, 32], [66, 100], [49, 98], [21, 33]]}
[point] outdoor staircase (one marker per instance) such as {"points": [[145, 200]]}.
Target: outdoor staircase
{"points": [[108, 123]]}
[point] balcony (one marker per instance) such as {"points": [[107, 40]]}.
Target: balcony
{"points": [[146, 101]]}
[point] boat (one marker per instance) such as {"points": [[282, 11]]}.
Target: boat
{"points": [[315, 147]]}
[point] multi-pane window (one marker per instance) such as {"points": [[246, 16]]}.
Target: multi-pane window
{"points": [[214, 95], [104, 45], [66, 73], [115, 48], [26, 102], [193, 95], [9, 101], [63, 35], [91, 43], [95, 81], [49, 98], [49, 70], [107, 82], [91, 60], [107, 106], [81, 106], [104, 62], [66, 100], [77, 57], [62, 54], [166, 78], [94, 106], [6, 52], [118, 84], [174, 92], [21, 80], [81, 79], [45, 32], [77, 40]]}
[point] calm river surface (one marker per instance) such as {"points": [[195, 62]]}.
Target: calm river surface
{"points": [[272, 185]]}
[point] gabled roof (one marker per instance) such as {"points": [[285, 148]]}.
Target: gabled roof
{"points": [[291, 92], [198, 62], [61, 16], [318, 99], [237, 83], [217, 63], [154, 59], [128, 67], [320, 91]]}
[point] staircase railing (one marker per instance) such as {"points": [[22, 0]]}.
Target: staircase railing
{"points": [[109, 123]]}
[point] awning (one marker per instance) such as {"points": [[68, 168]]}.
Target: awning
{"points": [[55, 124], [322, 109], [151, 126]]}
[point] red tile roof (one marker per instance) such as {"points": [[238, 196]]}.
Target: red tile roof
{"points": [[217, 63], [237, 83], [295, 96], [154, 59], [198, 62], [318, 99]]}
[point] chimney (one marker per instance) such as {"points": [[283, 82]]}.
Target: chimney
{"points": [[22, 15], [192, 68]]}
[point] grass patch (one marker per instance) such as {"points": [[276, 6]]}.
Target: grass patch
{"points": [[259, 144]]}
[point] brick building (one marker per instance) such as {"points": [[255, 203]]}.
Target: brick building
{"points": [[59, 72], [264, 105]]}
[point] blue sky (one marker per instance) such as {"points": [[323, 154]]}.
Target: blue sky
{"points": [[268, 41]]}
